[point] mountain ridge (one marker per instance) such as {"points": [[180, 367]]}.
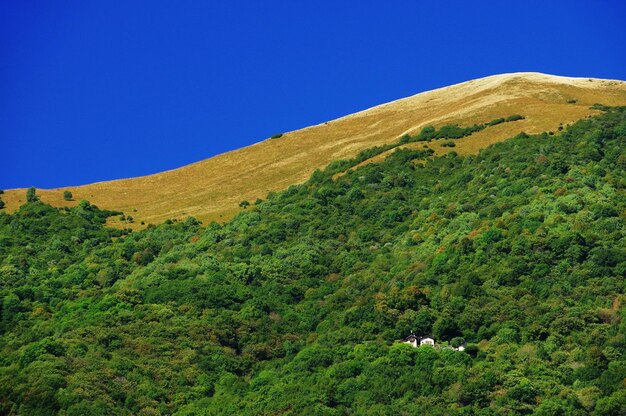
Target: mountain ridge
{"points": [[211, 189]]}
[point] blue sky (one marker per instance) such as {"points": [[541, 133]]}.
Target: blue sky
{"points": [[92, 91]]}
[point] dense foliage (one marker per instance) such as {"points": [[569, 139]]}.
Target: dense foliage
{"points": [[296, 306]]}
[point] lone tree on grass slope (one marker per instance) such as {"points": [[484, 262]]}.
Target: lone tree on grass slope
{"points": [[31, 195]]}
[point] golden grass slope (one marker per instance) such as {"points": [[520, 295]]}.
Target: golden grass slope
{"points": [[212, 189]]}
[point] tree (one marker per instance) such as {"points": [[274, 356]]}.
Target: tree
{"points": [[31, 195], [67, 195], [457, 342], [445, 328], [244, 204]]}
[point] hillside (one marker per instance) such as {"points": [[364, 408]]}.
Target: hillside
{"points": [[299, 304], [212, 189]]}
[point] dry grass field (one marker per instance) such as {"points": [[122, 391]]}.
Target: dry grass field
{"points": [[212, 189]]}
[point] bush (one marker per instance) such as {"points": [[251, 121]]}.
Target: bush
{"points": [[496, 121], [448, 143], [277, 136], [451, 131], [600, 107], [514, 117], [67, 195]]}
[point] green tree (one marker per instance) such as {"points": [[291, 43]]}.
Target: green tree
{"points": [[67, 195], [31, 195]]}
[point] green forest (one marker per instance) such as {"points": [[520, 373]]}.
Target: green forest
{"points": [[299, 305]]}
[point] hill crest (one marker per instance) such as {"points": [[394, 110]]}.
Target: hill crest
{"points": [[211, 189]]}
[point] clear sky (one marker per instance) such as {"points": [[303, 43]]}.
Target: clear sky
{"points": [[99, 90]]}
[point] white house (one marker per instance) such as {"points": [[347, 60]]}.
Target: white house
{"points": [[427, 341], [415, 341], [411, 340]]}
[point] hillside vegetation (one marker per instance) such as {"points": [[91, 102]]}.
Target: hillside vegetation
{"points": [[212, 189], [297, 305]]}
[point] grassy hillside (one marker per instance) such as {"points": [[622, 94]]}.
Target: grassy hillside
{"points": [[298, 304], [212, 189]]}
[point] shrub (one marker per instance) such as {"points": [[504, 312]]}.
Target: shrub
{"points": [[600, 107], [448, 143], [427, 131], [277, 136], [451, 131], [496, 121], [67, 195], [514, 117]]}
